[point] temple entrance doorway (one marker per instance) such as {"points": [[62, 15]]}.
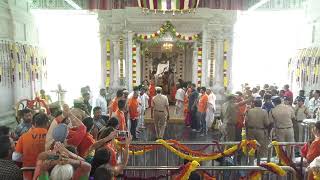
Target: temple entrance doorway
{"points": [[166, 64]]}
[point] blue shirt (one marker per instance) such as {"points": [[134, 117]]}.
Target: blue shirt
{"points": [[22, 128], [267, 106]]}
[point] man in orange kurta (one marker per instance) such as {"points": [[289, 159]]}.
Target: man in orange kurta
{"points": [[133, 106], [152, 91], [120, 115], [202, 109], [114, 103]]}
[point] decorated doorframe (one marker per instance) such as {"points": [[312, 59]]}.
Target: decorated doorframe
{"points": [[155, 38]]}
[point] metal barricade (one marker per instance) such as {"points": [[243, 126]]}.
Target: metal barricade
{"points": [[161, 156], [290, 149], [220, 172], [307, 126]]}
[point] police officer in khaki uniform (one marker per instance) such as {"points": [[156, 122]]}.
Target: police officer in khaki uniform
{"points": [[160, 112], [229, 116], [257, 123], [282, 116]]}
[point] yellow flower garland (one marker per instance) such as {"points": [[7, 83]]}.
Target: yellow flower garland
{"points": [[316, 175], [194, 165], [182, 155], [275, 168]]}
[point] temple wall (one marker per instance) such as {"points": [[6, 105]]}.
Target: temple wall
{"points": [[16, 26], [313, 16], [303, 73]]}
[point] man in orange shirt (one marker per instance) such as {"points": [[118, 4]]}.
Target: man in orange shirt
{"points": [[114, 103], [87, 140], [152, 91], [241, 112], [32, 143], [120, 115], [202, 109], [133, 105]]}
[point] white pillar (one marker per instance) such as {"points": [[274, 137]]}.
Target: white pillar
{"points": [[195, 63], [204, 59], [129, 61], [114, 77], [229, 60], [218, 84], [103, 42]]}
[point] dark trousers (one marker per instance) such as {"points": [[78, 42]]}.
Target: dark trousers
{"points": [[203, 123], [195, 120], [133, 127]]}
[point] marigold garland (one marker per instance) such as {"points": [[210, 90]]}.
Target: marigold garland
{"points": [[225, 64], [304, 67], [134, 64], [187, 169], [167, 27], [187, 150], [284, 160], [121, 59], [212, 63], [108, 63], [227, 152], [274, 168], [199, 75], [20, 61], [188, 153], [316, 175], [255, 175]]}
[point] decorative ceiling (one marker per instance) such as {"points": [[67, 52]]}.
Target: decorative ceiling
{"points": [[213, 4]]}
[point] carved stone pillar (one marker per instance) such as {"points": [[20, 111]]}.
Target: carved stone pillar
{"points": [[195, 63], [218, 85], [217, 88], [229, 60], [103, 42], [204, 67], [115, 80]]}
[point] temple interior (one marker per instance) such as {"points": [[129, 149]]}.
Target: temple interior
{"points": [[185, 89]]}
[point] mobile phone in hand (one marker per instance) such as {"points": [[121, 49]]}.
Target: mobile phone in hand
{"points": [[53, 157], [123, 134]]}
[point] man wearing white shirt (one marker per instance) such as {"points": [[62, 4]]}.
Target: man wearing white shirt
{"points": [[255, 93], [179, 101], [314, 103], [211, 108], [143, 99], [102, 102]]}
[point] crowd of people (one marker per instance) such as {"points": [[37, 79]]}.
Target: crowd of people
{"points": [[270, 114], [80, 142], [69, 143]]}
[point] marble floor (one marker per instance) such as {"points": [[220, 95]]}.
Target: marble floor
{"points": [[177, 131]]}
